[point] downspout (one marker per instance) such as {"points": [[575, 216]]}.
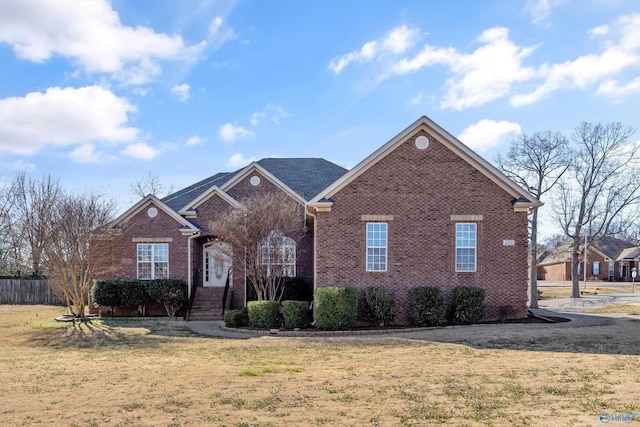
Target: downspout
{"points": [[315, 219], [189, 275]]}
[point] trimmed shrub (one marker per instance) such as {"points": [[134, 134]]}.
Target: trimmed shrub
{"points": [[426, 306], [468, 304], [263, 314], [236, 318], [106, 293], [380, 305], [295, 313], [134, 293], [171, 292], [335, 307]]}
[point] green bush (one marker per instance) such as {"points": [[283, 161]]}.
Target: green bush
{"points": [[237, 318], [171, 292], [263, 314], [380, 305], [335, 307], [295, 313], [426, 306], [106, 293], [468, 304], [134, 293]]}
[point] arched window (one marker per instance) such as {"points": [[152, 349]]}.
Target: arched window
{"points": [[278, 255]]}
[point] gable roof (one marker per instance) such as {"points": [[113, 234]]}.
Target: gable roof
{"points": [[187, 227], [523, 199], [181, 198], [608, 247], [304, 177]]}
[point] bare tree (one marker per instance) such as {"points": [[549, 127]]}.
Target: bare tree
{"points": [[149, 184], [600, 194], [536, 163], [265, 233], [6, 264], [71, 254], [32, 202]]}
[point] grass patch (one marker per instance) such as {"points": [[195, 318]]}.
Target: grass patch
{"points": [[566, 292], [632, 308], [156, 372]]}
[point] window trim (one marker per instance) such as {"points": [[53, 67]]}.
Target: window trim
{"points": [[474, 247], [385, 247], [287, 244], [153, 262]]}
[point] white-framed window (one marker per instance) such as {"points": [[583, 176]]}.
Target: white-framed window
{"points": [[153, 261], [611, 268], [596, 267], [278, 255], [579, 268], [377, 238], [466, 243]]}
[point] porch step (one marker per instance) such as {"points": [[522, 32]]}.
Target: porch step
{"points": [[207, 304]]}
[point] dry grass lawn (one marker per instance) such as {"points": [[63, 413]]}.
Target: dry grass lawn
{"points": [[157, 373], [565, 292]]}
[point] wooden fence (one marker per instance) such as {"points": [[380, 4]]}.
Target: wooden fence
{"points": [[26, 291]]}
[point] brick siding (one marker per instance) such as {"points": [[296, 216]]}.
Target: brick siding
{"points": [[422, 189]]}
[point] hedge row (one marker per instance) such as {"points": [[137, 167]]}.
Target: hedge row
{"points": [[270, 314], [336, 308], [137, 293]]}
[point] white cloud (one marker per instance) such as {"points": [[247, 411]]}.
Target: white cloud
{"points": [[219, 33], [395, 42], [91, 35], [230, 132], [238, 159], [602, 30], [479, 77], [614, 89], [272, 112], [195, 140], [86, 153], [417, 100], [181, 91], [21, 165], [488, 133], [540, 9], [63, 117], [141, 150], [591, 69]]}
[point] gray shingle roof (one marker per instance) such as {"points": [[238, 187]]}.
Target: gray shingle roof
{"points": [[611, 247], [305, 176], [179, 199]]}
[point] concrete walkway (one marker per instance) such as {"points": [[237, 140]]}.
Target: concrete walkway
{"points": [[588, 303], [574, 309]]}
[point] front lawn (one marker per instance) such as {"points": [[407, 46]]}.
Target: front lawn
{"points": [[157, 372]]}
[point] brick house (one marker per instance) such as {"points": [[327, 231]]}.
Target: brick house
{"points": [[607, 259], [423, 209]]}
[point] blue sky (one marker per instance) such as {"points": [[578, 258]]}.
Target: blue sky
{"points": [[101, 93]]}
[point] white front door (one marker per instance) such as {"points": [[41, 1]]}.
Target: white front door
{"points": [[216, 264]]}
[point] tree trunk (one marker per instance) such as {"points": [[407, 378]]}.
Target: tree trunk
{"points": [[575, 280]]}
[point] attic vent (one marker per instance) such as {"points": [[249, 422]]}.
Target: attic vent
{"points": [[255, 181], [422, 142], [152, 212]]}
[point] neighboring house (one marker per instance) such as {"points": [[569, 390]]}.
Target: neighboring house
{"points": [[423, 209], [608, 258]]}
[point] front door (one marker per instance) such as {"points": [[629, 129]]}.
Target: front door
{"points": [[216, 264], [625, 270]]}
